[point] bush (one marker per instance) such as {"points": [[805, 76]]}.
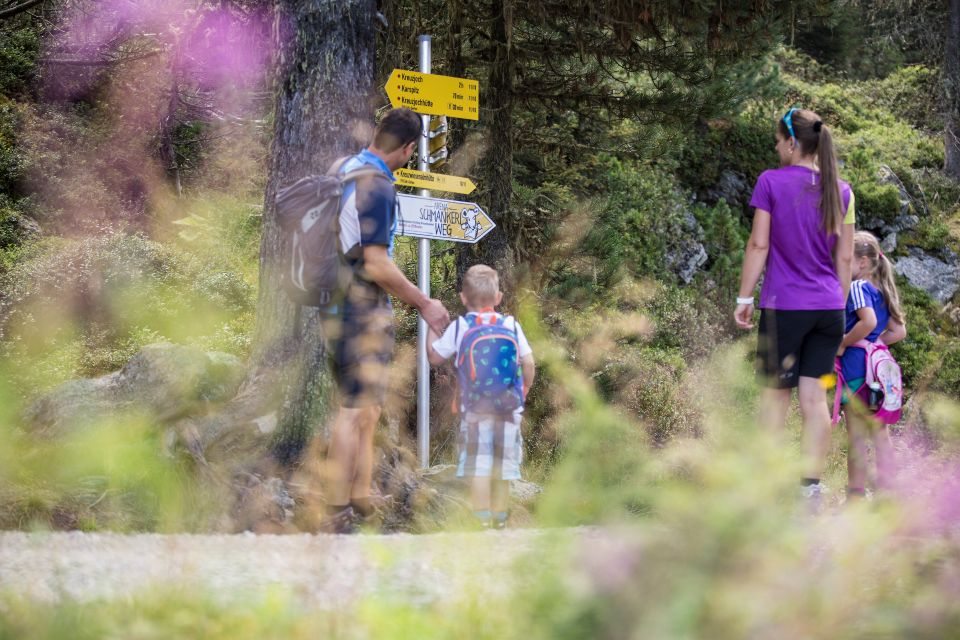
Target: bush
{"points": [[12, 160], [85, 306], [916, 353], [19, 49], [744, 144]]}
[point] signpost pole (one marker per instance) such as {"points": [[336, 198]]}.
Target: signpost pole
{"points": [[423, 281]]}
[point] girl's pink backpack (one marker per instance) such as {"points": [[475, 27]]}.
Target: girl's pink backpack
{"points": [[883, 369]]}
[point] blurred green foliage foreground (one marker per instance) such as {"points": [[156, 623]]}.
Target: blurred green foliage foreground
{"points": [[703, 538]]}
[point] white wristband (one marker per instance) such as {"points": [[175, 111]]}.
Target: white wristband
{"points": [[745, 300]]}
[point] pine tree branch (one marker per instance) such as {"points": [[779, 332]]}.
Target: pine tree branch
{"points": [[20, 8]]}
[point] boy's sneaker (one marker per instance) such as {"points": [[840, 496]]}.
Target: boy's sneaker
{"points": [[341, 522], [500, 520]]}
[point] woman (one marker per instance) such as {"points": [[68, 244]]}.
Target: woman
{"points": [[802, 241]]}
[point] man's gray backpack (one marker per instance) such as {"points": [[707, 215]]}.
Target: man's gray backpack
{"points": [[315, 272]]}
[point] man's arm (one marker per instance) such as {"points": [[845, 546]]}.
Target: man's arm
{"points": [[380, 268]]}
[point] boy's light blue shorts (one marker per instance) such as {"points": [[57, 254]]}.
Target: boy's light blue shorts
{"points": [[490, 446]]}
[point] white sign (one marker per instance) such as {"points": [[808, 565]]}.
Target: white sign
{"points": [[439, 219]]}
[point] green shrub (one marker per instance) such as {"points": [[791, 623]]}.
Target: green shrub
{"points": [[19, 49], [724, 238], [947, 377], [916, 353], [12, 159], [101, 299], [744, 144]]}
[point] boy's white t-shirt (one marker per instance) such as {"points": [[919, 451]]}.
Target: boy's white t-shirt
{"points": [[448, 344]]}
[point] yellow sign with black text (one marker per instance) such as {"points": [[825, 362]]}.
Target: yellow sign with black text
{"points": [[433, 181], [435, 95]]}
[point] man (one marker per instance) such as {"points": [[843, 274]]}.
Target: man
{"points": [[361, 336]]}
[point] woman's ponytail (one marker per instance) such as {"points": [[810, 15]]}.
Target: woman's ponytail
{"points": [[831, 201]]}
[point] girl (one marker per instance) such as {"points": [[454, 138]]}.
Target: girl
{"points": [[873, 313], [802, 240]]}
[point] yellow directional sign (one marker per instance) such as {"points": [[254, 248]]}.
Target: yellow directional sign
{"points": [[435, 95], [439, 219], [433, 181]]}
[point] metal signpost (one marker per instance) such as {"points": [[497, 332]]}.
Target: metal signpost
{"points": [[424, 217], [423, 281]]}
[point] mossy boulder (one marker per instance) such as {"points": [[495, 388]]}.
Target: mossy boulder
{"points": [[164, 381]]}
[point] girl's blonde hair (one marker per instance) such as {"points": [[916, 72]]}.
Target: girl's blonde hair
{"points": [[865, 245], [814, 137]]}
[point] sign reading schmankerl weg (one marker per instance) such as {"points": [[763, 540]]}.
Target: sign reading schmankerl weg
{"points": [[434, 95], [439, 219]]}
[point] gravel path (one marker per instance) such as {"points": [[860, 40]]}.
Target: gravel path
{"points": [[324, 571]]}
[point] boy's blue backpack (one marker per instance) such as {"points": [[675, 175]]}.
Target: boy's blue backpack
{"points": [[488, 365]]}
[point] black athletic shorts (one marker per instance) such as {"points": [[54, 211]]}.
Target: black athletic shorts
{"points": [[360, 341], [792, 344]]}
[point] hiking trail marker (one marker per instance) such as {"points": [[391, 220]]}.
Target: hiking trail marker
{"points": [[434, 95], [438, 219], [434, 181]]}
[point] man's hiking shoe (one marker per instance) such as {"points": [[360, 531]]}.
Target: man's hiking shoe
{"points": [[341, 522]]}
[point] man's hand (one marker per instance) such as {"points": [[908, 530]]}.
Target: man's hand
{"points": [[436, 315]]}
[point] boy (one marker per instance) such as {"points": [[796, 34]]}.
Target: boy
{"points": [[492, 392]]}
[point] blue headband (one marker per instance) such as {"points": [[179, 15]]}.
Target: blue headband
{"points": [[788, 120]]}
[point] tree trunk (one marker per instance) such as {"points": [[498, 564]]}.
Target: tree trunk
{"points": [[497, 163], [324, 110], [951, 81]]}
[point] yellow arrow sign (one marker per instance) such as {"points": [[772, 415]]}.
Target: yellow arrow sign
{"points": [[438, 219], [435, 95], [433, 181]]}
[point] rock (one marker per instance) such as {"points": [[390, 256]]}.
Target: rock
{"points": [[885, 175], [905, 223], [164, 380], [889, 244], [882, 228], [732, 186], [524, 492], [938, 278], [685, 253], [263, 505], [16, 228]]}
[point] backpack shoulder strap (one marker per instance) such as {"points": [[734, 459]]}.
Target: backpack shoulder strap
{"points": [[456, 337], [337, 165], [362, 172]]}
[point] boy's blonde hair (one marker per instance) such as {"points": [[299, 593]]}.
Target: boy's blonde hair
{"points": [[481, 284], [865, 245]]}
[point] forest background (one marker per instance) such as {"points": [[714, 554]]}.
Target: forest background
{"points": [[141, 143]]}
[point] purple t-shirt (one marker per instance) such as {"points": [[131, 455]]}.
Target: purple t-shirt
{"points": [[800, 273]]}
